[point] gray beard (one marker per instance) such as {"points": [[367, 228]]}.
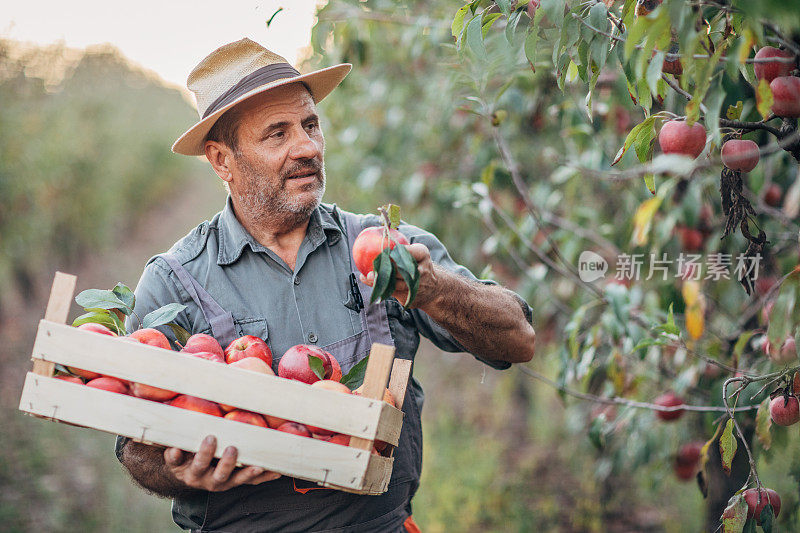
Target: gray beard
{"points": [[271, 205]]}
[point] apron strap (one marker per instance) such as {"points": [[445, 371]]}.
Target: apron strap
{"points": [[373, 316], [221, 321]]}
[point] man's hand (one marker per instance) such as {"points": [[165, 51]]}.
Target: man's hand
{"points": [[428, 286], [196, 471]]}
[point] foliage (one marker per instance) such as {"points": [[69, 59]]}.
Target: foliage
{"points": [[512, 116]]}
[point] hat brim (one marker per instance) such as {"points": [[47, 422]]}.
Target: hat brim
{"points": [[320, 83]]}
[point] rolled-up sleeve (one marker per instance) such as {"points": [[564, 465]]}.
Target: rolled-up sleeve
{"points": [[428, 327]]}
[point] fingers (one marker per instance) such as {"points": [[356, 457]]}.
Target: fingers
{"points": [[248, 475], [202, 459], [225, 466], [263, 478], [174, 457]]}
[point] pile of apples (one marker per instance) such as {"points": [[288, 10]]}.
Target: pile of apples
{"points": [[248, 353]]}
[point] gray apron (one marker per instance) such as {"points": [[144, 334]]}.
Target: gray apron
{"points": [[288, 504]]}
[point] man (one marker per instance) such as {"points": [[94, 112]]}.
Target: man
{"points": [[276, 263]]}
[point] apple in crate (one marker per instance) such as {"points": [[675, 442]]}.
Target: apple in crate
{"points": [[294, 364], [295, 429], [248, 346], [151, 337], [248, 417], [200, 342], [184, 401], [95, 328], [109, 384], [209, 356]]}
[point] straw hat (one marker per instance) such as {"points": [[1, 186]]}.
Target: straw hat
{"points": [[234, 72]]}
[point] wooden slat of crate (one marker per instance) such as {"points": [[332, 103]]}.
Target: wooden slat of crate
{"points": [[352, 415], [312, 459]]}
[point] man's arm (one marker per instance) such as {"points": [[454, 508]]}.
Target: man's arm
{"points": [[487, 320], [172, 472]]}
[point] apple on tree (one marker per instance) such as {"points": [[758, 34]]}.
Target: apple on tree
{"points": [[740, 154], [754, 507], [770, 70], [786, 96], [677, 137]]}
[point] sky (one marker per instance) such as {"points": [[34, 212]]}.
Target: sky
{"points": [[166, 36]]}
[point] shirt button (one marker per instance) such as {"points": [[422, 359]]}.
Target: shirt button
{"points": [[312, 338], [297, 280]]}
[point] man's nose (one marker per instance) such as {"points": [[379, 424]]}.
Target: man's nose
{"points": [[305, 147]]}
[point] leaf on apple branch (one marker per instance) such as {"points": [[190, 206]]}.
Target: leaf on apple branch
{"points": [[393, 260]]}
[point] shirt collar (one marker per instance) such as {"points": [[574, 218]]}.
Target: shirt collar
{"points": [[233, 237]]}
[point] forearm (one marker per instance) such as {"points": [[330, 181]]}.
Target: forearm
{"points": [[487, 320], [146, 466]]}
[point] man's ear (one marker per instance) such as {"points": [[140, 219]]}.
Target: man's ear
{"points": [[221, 159]]}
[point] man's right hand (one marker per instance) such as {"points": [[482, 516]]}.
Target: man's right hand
{"points": [[196, 471]]}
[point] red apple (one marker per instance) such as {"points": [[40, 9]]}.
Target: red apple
{"points": [[786, 96], [200, 342], [109, 384], [772, 69], [676, 137], [295, 429], [692, 240], [253, 364], [787, 353], [784, 410], [294, 364], [248, 346], [274, 422], [208, 356], [669, 399], [687, 460], [151, 337], [768, 496], [370, 243], [773, 195], [248, 417], [738, 154], [71, 379], [148, 392], [95, 328], [192, 403], [331, 385], [339, 438]]}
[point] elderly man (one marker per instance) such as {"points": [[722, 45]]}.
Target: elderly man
{"points": [[276, 263]]}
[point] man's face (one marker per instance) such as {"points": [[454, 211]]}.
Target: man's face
{"points": [[278, 170]]}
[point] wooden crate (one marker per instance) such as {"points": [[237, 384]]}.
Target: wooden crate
{"points": [[350, 468]]}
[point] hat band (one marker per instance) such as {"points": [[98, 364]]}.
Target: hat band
{"points": [[262, 76]]}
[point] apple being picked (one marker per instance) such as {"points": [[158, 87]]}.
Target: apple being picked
{"points": [[295, 364], [200, 342], [248, 346], [370, 243]]}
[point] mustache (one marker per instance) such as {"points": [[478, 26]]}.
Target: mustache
{"points": [[304, 167]]}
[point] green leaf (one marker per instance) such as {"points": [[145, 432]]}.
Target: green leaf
{"points": [[530, 45], [407, 268], [650, 182], [106, 318], [734, 112], [735, 514], [767, 517], [394, 216], [554, 10], [180, 334], [596, 433], [511, 26], [100, 299], [644, 146], [764, 424], [714, 101], [598, 17], [384, 275], [475, 38], [317, 365], [355, 377], [750, 526], [634, 133], [125, 296], [163, 315], [741, 343], [487, 22], [504, 5], [653, 73], [458, 21], [645, 98], [764, 98], [728, 446]]}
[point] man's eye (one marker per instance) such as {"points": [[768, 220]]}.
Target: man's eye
{"points": [[312, 126], [276, 135]]}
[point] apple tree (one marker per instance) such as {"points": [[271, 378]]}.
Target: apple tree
{"points": [[634, 167]]}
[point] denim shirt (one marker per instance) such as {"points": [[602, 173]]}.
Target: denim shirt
{"points": [[286, 307]]}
